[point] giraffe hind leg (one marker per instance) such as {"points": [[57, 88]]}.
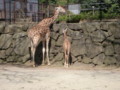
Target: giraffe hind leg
{"points": [[65, 63], [67, 59], [43, 52], [68, 55], [47, 50], [34, 45]]}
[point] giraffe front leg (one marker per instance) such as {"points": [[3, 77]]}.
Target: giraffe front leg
{"points": [[43, 52], [67, 62], [64, 61], [35, 43], [33, 54], [64, 58], [68, 54], [47, 50], [34, 64]]}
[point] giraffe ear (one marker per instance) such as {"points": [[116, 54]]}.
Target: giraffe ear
{"points": [[65, 30]]}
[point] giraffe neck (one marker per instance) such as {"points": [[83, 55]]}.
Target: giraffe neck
{"points": [[65, 36], [55, 16], [52, 19], [49, 21]]}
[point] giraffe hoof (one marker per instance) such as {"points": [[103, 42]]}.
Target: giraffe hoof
{"points": [[34, 65], [66, 66], [49, 64]]}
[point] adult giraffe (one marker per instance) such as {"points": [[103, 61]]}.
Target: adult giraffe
{"points": [[41, 33]]}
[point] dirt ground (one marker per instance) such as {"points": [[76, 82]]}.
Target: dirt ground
{"points": [[83, 77]]}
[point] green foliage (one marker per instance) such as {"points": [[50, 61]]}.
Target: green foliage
{"points": [[88, 1], [42, 1], [48, 1], [87, 16], [111, 11], [61, 2], [110, 16], [114, 8]]}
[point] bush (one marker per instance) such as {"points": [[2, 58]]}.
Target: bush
{"points": [[87, 16]]}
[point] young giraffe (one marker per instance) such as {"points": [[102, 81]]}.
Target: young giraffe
{"points": [[41, 33], [66, 47]]}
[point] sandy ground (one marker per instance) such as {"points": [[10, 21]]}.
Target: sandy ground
{"points": [[58, 78]]}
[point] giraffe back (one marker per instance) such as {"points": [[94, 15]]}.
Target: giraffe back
{"points": [[66, 44], [38, 30], [46, 22]]}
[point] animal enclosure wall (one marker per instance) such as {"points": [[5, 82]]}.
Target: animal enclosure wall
{"points": [[93, 42]]}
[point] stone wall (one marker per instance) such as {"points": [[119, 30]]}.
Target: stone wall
{"points": [[92, 42], [14, 43]]}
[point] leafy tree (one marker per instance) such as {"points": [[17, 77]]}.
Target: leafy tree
{"points": [[110, 5]]}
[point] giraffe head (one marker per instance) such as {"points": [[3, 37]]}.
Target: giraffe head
{"points": [[60, 9]]}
